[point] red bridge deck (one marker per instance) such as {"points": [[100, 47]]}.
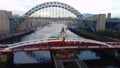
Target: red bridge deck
{"points": [[58, 45]]}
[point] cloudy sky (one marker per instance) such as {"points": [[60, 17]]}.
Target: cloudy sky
{"points": [[83, 6]]}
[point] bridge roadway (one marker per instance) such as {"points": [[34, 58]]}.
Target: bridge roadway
{"points": [[67, 59], [47, 18], [58, 45], [73, 62]]}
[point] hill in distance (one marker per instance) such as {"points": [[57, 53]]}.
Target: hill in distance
{"points": [[87, 14]]}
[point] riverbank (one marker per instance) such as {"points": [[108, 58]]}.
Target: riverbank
{"points": [[91, 35], [5, 39]]}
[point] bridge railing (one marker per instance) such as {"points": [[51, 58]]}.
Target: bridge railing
{"points": [[56, 43], [113, 43]]}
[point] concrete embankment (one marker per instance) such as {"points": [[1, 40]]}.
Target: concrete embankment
{"points": [[5, 38], [91, 35]]}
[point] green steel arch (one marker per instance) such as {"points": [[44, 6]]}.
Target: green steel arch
{"points": [[50, 4]]}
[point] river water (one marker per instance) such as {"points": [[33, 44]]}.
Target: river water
{"points": [[93, 59]]}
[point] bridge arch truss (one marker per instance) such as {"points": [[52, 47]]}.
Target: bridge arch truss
{"points": [[51, 4]]}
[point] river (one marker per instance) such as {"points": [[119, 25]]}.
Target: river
{"points": [[53, 29]]}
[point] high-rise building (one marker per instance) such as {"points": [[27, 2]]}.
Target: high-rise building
{"points": [[95, 17], [100, 22], [109, 16], [4, 21]]}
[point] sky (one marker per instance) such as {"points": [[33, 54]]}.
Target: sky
{"points": [[83, 6]]}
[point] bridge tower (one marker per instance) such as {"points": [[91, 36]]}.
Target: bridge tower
{"points": [[4, 21], [109, 16], [100, 22]]}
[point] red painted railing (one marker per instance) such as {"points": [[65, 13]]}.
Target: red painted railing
{"points": [[58, 45]]}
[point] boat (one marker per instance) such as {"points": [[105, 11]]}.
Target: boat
{"points": [[53, 38], [61, 36]]}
